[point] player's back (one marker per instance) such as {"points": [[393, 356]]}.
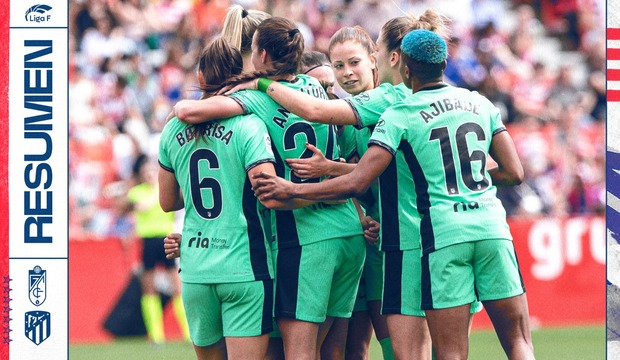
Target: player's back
{"points": [[447, 133], [289, 134], [221, 215]]}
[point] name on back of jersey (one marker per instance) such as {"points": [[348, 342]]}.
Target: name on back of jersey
{"points": [[212, 130], [445, 105]]}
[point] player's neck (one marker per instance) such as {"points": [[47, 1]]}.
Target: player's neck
{"points": [[429, 84]]}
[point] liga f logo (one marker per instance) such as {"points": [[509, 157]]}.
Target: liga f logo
{"points": [[37, 285]]}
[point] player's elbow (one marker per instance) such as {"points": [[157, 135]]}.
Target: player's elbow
{"points": [[514, 175], [358, 186], [183, 111], [168, 205]]}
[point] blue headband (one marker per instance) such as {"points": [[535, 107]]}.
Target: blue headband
{"points": [[425, 46]]}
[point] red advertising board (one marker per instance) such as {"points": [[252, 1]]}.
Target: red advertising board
{"points": [[562, 262]]}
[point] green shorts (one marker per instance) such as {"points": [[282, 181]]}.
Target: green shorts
{"points": [[402, 293], [371, 283], [461, 273], [318, 280], [231, 309]]}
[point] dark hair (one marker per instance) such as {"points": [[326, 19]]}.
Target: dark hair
{"points": [[313, 59], [359, 35], [423, 71], [218, 62], [281, 39]]}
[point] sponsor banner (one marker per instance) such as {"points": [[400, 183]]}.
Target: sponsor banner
{"points": [[36, 223], [562, 262]]}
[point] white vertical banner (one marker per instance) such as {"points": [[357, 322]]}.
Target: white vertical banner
{"points": [[38, 180]]}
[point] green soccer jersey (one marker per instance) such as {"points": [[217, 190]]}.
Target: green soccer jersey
{"points": [[369, 105], [290, 134], [355, 143], [440, 138], [222, 236]]}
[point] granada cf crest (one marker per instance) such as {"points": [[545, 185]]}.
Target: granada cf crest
{"points": [[37, 288], [37, 326]]}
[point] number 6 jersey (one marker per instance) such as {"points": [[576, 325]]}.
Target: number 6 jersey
{"points": [[222, 240]]}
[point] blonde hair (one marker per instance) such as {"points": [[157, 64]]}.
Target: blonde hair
{"points": [[240, 25]]}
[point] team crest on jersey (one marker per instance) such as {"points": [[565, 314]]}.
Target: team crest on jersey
{"points": [[37, 326], [37, 280], [362, 98], [267, 140]]}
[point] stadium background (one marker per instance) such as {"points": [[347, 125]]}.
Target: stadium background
{"points": [[541, 62]]}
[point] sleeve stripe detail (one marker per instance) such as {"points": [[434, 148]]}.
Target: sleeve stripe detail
{"points": [[169, 169], [243, 107], [358, 118], [255, 164], [383, 145], [499, 130]]}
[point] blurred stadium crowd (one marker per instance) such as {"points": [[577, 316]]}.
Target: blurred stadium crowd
{"points": [[542, 62]]}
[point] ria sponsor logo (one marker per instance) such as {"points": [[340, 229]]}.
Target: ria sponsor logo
{"points": [[36, 13], [198, 242]]}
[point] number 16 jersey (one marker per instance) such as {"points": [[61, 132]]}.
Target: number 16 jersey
{"points": [[441, 136]]}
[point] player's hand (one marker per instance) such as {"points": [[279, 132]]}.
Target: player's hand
{"points": [[371, 229], [313, 167], [248, 85], [172, 245], [270, 186]]}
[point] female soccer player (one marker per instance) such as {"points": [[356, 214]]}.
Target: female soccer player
{"points": [[352, 54], [401, 297], [226, 265], [442, 135], [325, 236]]}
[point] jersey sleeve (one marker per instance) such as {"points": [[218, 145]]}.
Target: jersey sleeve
{"points": [[255, 144], [390, 129], [497, 125], [252, 101], [164, 146], [369, 105]]}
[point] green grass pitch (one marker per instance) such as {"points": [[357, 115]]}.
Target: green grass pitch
{"points": [[569, 343]]}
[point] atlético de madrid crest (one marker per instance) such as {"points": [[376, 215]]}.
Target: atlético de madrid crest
{"points": [[37, 325], [37, 287]]}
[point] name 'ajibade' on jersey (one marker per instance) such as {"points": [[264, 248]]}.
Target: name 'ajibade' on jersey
{"points": [[222, 236], [453, 127]]}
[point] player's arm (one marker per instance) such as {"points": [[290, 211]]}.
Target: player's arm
{"points": [[337, 112], [509, 170], [198, 111], [288, 204], [170, 197], [353, 184]]}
